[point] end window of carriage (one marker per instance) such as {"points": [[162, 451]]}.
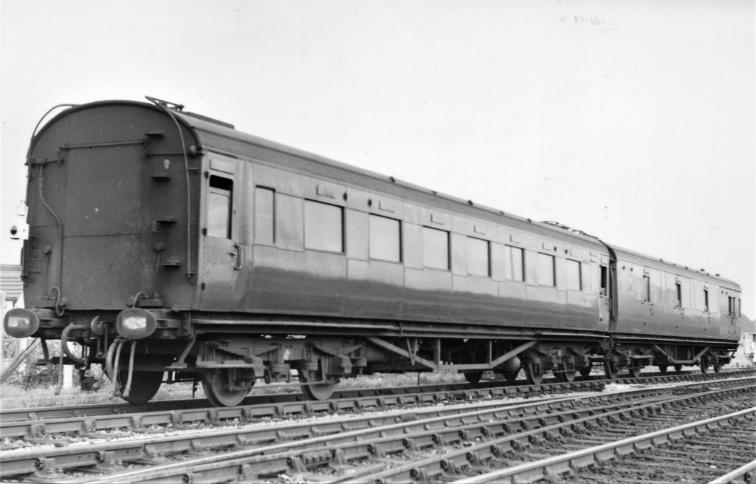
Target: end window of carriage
{"points": [[324, 226], [219, 206], [385, 238]]}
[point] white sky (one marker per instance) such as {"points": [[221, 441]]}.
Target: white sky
{"points": [[633, 121]]}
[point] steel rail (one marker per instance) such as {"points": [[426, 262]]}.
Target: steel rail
{"points": [[38, 415], [247, 468], [44, 459], [68, 411], [170, 416], [360, 447], [492, 448], [280, 456], [553, 466], [743, 474], [189, 470], [71, 411], [340, 453], [40, 429], [20, 462], [349, 448]]}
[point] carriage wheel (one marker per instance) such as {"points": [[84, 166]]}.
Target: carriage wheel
{"points": [[678, 368], [227, 387], [565, 375], [634, 369], [313, 388], [144, 385], [610, 369], [585, 372], [663, 369], [534, 371], [704, 365], [473, 376], [717, 368]]}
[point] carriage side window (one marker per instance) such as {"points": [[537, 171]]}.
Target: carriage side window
{"points": [[574, 275], [706, 300], [478, 257], [604, 280], [265, 215], [435, 248], [646, 288], [324, 226], [219, 207], [515, 263], [546, 270], [385, 238]]}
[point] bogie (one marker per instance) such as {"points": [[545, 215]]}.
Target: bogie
{"points": [[226, 387]]}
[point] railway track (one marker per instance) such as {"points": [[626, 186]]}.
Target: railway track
{"points": [[72, 411], [519, 387], [698, 451], [539, 454], [69, 411], [692, 452], [337, 443], [44, 430], [39, 424]]}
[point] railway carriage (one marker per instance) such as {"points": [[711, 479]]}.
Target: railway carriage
{"points": [[173, 247]]}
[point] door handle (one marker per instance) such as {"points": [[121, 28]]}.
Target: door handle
{"points": [[239, 252]]}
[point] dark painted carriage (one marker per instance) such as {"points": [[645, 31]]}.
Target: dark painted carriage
{"points": [[171, 246]]}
